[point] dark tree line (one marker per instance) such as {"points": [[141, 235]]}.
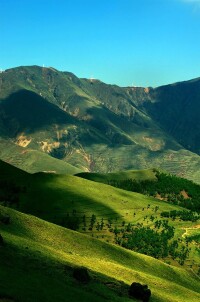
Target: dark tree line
{"points": [[182, 215], [169, 187]]}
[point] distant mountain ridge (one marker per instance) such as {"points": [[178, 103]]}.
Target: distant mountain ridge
{"points": [[98, 127]]}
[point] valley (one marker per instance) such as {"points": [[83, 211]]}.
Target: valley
{"points": [[100, 216]]}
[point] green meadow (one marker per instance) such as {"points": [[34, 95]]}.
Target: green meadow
{"points": [[60, 222], [38, 258], [93, 208], [139, 175]]}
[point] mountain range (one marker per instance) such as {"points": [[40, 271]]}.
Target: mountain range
{"points": [[88, 209], [70, 124]]}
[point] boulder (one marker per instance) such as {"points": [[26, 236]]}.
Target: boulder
{"points": [[140, 291]]}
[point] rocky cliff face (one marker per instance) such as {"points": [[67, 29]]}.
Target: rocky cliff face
{"points": [[176, 108]]}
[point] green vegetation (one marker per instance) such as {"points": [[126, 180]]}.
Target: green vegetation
{"points": [[91, 125], [163, 186], [137, 175], [182, 215], [93, 235], [157, 241], [33, 161], [42, 256], [92, 208]]}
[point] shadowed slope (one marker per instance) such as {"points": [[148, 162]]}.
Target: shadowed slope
{"points": [[177, 108], [27, 111]]}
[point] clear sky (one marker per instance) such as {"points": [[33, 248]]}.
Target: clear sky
{"points": [[139, 42]]}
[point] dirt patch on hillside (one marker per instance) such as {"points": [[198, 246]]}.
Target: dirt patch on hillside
{"points": [[23, 141], [87, 158], [158, 196], [47, 147], [60, 133], [184, 194], [153, 144], [148, 139]]}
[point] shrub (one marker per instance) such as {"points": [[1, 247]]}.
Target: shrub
{"points": [[1, 241], [81, 274], [140, 291]]}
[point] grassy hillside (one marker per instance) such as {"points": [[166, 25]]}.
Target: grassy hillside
{"points": [[38, 259], [100, 211], [138, 175], [33, 161], [154, 183], [91, 125]]}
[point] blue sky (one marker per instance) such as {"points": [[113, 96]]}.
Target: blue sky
{"points": [[139, 42]]}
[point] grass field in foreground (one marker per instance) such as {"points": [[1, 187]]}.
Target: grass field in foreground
{"points": [[37, 261]]}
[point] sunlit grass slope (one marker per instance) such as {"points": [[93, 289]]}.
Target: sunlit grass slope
{"points": [[138, 175], [52, 196], [33, 161], [71, 201], [37, 259]]}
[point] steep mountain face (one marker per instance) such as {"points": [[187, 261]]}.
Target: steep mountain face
{"points": [[177, 109], [91, 125]]}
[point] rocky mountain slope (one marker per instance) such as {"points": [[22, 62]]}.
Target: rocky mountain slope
{"points": [[91, 125], [177, 108]]}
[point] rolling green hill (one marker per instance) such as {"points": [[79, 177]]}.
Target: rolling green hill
{"points": [[86, 123], [33, 161], [138, 175], [37, 261], [154, 183], [101, 211]]}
